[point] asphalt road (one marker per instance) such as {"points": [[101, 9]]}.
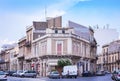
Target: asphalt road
{"points": [[95, 78]]}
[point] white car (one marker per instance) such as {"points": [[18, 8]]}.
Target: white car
{"points": [[3, 76], [17, 73], [100, 73], [54, 74], [28, 74]]}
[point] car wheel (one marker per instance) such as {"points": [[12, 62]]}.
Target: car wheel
{"points": [[23, 76], [34, 76]]}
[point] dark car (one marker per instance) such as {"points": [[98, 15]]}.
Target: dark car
{"points": [[54, 74], [107, 72], [115, 74], [87, 74], [10, 73]]}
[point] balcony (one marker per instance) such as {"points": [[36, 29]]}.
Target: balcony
{"points": [[93, 44], [28, 57], [21, 55], [28, 44]]}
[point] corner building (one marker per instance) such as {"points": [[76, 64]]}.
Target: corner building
{"points": [[47, 42]]}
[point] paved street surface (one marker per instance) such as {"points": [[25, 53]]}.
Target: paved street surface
{"points": [[96, 78]]}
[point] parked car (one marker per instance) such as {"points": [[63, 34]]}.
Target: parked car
{"points": [[86, 74], [107, 72], [32, 74], [100, 73], [3, 76], [17, 73], [6, 72], [54, 74], [10, 73], [116, 75], [70, 71]]}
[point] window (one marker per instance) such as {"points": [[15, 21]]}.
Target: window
{"points": [[115, 57], [56, 31], [59, 48], [63, 31], [44, 47], [107, 50], [112, 58], [103, 50]]}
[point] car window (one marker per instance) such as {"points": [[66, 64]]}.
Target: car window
{"points": [[118, 72], [20, 71], [31, 72], [26, 72], [114, 72], [2, 73], [55, 72]]}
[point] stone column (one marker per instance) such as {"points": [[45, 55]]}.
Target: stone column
{"points": [[84, 66], [18, 67], [89, 68]]}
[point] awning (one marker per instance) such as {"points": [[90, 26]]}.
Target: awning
{"points": [[52, 64]]}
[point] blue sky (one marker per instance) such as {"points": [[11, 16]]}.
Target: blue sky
{"points": [[15, 15]]}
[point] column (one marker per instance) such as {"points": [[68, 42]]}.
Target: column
{"points": [[18, 68], [89, 68], [49, 41], [24, 65], [84, 65], [69, 46]]}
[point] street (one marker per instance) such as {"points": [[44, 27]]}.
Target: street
{"points": [[95, 78]]}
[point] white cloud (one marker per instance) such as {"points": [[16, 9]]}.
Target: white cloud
{"points": [[61, 7], [6, 41]]}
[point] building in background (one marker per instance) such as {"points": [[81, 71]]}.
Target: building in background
{"points": [[22, 53], [110, 56], [14, 51], [100, 62], [3, 64], [8, 57], [104, 36]]}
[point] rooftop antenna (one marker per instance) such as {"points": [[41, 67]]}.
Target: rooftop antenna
{"points": [[107, 26], [97, 26], [45, 12]]}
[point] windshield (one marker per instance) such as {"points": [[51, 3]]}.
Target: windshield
{"points": [[55, 72], [2, 73]]}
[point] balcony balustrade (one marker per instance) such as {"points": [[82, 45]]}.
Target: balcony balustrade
{"points": [[28, 44]]}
